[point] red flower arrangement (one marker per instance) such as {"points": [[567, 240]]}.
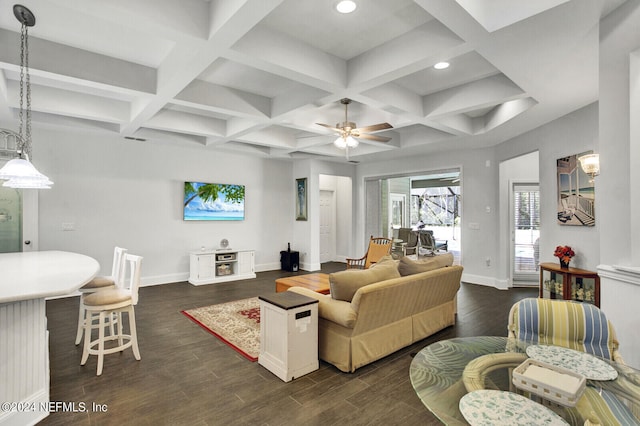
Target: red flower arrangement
{"points": [[564, 253]]}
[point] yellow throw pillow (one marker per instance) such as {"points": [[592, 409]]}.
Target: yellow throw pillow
{"points": [[344, 284], [407, 266]]}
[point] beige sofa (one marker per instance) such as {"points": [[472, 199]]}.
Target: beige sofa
{"points": [[385, 316]]}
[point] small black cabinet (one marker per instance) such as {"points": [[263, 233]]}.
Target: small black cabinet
{"points": [[289, 261]]}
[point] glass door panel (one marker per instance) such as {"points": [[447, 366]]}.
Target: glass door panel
{"points": [[10, 220], [525, 232]]}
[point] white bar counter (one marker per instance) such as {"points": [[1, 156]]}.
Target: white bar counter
{"points": [[26, 280]]}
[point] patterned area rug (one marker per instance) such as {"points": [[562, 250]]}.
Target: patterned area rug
{"points": [[236, 323]]}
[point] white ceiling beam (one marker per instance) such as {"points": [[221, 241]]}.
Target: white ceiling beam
{"points": [[294, 99], [486, 92], [183, 21], [271, 136], [212, 97], [506, 111], [74, 104], [396, 99], [458, 124], [239, 126], [168, 137], [178, 121], [57, 59], [192, 63], [281, 55]]}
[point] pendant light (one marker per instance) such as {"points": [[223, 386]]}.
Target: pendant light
{"points": [[19, 172]]}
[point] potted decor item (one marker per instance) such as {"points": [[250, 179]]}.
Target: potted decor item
{"points": [[564, 253]]}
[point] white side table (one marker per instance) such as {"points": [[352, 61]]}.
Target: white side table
{"points": [[288, 334]]}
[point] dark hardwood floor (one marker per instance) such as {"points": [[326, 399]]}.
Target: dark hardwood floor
{"points": [[188, 377]]}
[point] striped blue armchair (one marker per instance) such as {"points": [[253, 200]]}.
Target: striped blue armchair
{"points": [[579, 326]]}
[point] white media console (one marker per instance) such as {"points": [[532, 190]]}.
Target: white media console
{"points": [[217, 266]]}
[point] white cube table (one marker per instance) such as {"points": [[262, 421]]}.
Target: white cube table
{"points": [[288, 334]]}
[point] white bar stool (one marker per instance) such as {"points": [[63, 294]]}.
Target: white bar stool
{"points": [[97, 284], [104, 304]]}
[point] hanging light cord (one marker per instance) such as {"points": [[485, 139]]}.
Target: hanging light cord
{"points": [[25, 130]]}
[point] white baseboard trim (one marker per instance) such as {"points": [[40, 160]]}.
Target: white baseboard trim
{"points": [[265, 267], [310, 267], [39, 409], [164, 279], [486, 281]]}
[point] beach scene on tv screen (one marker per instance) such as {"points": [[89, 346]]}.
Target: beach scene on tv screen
{"points": [[213, 201]]}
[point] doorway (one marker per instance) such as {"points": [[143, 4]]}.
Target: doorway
{"points": [[431, 200]]}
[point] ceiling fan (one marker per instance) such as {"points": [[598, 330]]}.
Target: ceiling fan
{"points": [[348, 133]]}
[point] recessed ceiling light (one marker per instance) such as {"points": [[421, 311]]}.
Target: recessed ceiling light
{"points": [[441, 65], [346, 6]]}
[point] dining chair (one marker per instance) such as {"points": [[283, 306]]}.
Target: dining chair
{"points": [[378, 247], [582, 327], [97, 284], [409, 241], [104, 304], [574, 325]]}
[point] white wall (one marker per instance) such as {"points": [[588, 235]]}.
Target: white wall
{"points": [[481, 188], [619, 180], [120, 192], [572, 134]]}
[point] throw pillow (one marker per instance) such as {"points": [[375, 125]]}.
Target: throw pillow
{"points": [[408, 266], [344, 284]]}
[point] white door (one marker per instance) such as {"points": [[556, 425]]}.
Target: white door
{"points": [[327, 227], [525, 233]]}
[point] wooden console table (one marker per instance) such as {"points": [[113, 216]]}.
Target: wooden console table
{"points": [[569, 284]]}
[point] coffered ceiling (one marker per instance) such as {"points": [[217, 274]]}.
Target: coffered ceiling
{"points": [[257, 75]]}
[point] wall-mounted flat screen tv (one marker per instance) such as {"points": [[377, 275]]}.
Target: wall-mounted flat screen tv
{"points": [[213, 201]]}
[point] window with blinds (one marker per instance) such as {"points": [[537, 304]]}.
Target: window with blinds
{"points": [[526, 211]]}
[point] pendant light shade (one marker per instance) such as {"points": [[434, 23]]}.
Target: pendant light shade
{"points": [[19, 172]]}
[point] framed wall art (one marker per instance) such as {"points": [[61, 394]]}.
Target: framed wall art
{"points": [[301, 199], [576, 193]]}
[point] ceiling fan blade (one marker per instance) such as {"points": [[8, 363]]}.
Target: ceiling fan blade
{"points": [[374, 128], [373, 137], [329, 127]]}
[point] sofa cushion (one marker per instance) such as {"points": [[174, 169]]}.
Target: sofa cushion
{"points": [[407, 266], [344, 284], [387, 259]]}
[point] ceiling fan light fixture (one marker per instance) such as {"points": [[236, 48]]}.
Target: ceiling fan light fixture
{"points": [[441, 65], [346, 6], [340, 142], [351, 141]]}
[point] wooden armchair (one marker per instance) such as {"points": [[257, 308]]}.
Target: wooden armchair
{"points": [[378, 247]]}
